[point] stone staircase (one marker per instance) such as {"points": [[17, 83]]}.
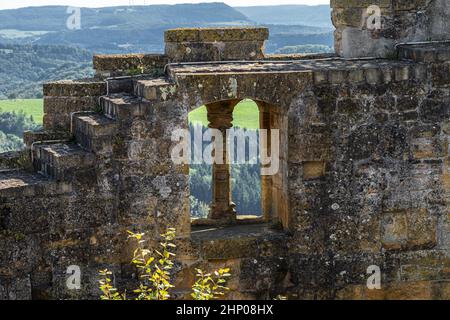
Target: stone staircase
{"points": [[93, 132], [60, 160]]}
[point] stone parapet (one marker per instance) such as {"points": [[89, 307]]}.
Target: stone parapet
{"points": [[75, 88], [117, 65], [215, 44], [11, 159], [216, 34], [425, 52]]}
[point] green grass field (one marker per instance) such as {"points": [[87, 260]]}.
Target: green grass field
{"points": [[246, 115], [31, 107]]}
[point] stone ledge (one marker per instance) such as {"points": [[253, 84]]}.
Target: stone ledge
{"points": [[216, 34], [360, 3], [10, 159], [239, 241], [298, 56], [64, 105], [17, 183], [425, 52], [75, 88], [31, 137], [129, 64]]}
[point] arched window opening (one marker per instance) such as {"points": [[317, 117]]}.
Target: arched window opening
{"points": [[232, 188]]}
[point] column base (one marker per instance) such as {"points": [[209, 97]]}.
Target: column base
{"points": [[226, 215]]}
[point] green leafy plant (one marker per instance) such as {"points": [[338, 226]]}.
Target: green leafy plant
{"points": [[154, 274], [210, 286], [109, 292]]}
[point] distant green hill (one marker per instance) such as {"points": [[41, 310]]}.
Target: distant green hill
{"points": [[53, 18], [27, 67], [140, 28], [317, 16], [112, 29]]}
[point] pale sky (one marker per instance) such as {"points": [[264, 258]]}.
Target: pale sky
{"points": [[11, 4]]}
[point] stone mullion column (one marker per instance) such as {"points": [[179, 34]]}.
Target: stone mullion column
{"points": [[220, 116], [266, 181]]}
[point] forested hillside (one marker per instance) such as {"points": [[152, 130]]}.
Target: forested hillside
{"points": [[113, 29], [296, 35], [53, 18], [12, 126], [24, 68]]}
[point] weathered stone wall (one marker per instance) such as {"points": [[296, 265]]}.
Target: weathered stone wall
{"points": [[367, 171], [363, 180], [383, 197], [401, 21]]}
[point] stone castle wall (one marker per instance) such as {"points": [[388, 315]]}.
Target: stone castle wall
{"points": [[364, 173], [401, 21]]}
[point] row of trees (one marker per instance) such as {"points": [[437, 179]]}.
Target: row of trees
{"points": [[246, 189], [305, 48], [12, 126]]}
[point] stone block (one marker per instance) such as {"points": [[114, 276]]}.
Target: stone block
{"points": [[394, 230], [129, 64], [75, 88], [215, 44], [216, 34], [313, 170], [409, 229]]}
